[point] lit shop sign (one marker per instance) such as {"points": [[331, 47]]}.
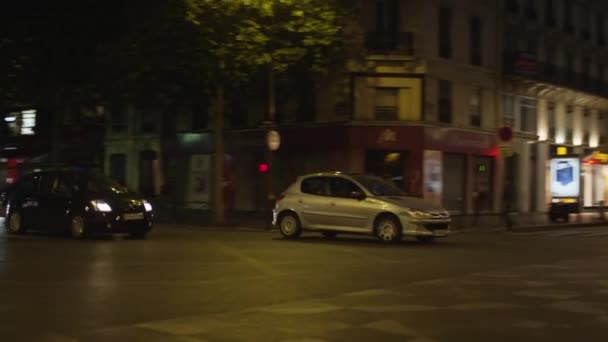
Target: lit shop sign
{"points": [[565, 177]]}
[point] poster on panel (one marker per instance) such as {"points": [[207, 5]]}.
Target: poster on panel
{"points": [[433, 176], [565, 177]]}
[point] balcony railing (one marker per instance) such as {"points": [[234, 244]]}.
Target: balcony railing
{"points": [[521, 64], [391, 43]]}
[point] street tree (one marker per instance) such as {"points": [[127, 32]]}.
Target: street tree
{"points": [[248, 37]]}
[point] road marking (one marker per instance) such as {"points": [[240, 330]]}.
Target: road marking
{"points": [[255, 263]]}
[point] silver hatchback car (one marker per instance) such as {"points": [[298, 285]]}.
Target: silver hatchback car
{"points": [[333, 202]]}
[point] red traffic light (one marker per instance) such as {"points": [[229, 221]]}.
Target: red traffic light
{"points": [[263, 167]]}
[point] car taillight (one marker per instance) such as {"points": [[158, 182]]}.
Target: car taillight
{"points": [[280, 197]]}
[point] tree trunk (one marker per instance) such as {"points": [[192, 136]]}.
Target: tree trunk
{"points": [[218, 161]]}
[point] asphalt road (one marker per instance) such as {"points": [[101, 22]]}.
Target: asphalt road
{"points": [[184, 284]]}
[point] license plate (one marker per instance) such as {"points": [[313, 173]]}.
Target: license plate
{"points": [[136, 216]]}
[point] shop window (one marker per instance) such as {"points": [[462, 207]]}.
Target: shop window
{"points": [[445, 101], [386, 103], [118, 167], [390, 165], [475, 108], [454, 175], [483, 183]]}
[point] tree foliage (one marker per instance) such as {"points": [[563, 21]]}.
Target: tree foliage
{"points": [[245, 35]]}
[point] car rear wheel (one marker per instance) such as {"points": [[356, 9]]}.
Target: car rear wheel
{"points": [[289, 225], [388, 230], [78, 227], [14, 224]]}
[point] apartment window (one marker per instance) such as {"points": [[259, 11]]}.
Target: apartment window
{"points": [[527, 110], [568, 8], [386, 107], [569, 72], [148, 122], [475, 108], [551, 120], [530, 10], [550, 51], [569, 123], [387, 16], [509, 111], [118, 120], [476, 29], [445, 32], [445, 101], [550, 13], [586, 74], [200, 116]]}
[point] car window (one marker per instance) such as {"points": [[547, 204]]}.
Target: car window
{"points": [[314, 186], [342, 187], [28, 185], [53, 184], [378, 186]]}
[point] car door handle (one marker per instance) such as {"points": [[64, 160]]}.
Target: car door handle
{"points": [[333, 204]]}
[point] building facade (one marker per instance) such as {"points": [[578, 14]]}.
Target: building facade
{"points": [[555, 93]]}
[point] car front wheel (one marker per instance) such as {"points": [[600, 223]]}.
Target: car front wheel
{"points": [[78, 227], [289, 225], [14, 223], [388, 230]]}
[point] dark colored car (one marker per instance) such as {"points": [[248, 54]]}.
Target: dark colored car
{"points": [[78, 201]]}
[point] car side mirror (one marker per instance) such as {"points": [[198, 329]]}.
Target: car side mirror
{"points": [[358, 195]]}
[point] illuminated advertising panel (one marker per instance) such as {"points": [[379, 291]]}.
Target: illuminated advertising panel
{"points": [[565, 177]]}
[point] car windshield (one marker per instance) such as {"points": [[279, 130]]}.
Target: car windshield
{"points": [[98, 183], [378, 186], [93, 182]]}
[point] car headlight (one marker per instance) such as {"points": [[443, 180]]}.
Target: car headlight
{"points": [[102, 206], [416, 213], [147, 205]]}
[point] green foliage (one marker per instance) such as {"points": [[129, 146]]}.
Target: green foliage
{"points": [[244, 35]]}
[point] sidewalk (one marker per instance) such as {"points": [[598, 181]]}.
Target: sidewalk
{"points": [[485, 222]]}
